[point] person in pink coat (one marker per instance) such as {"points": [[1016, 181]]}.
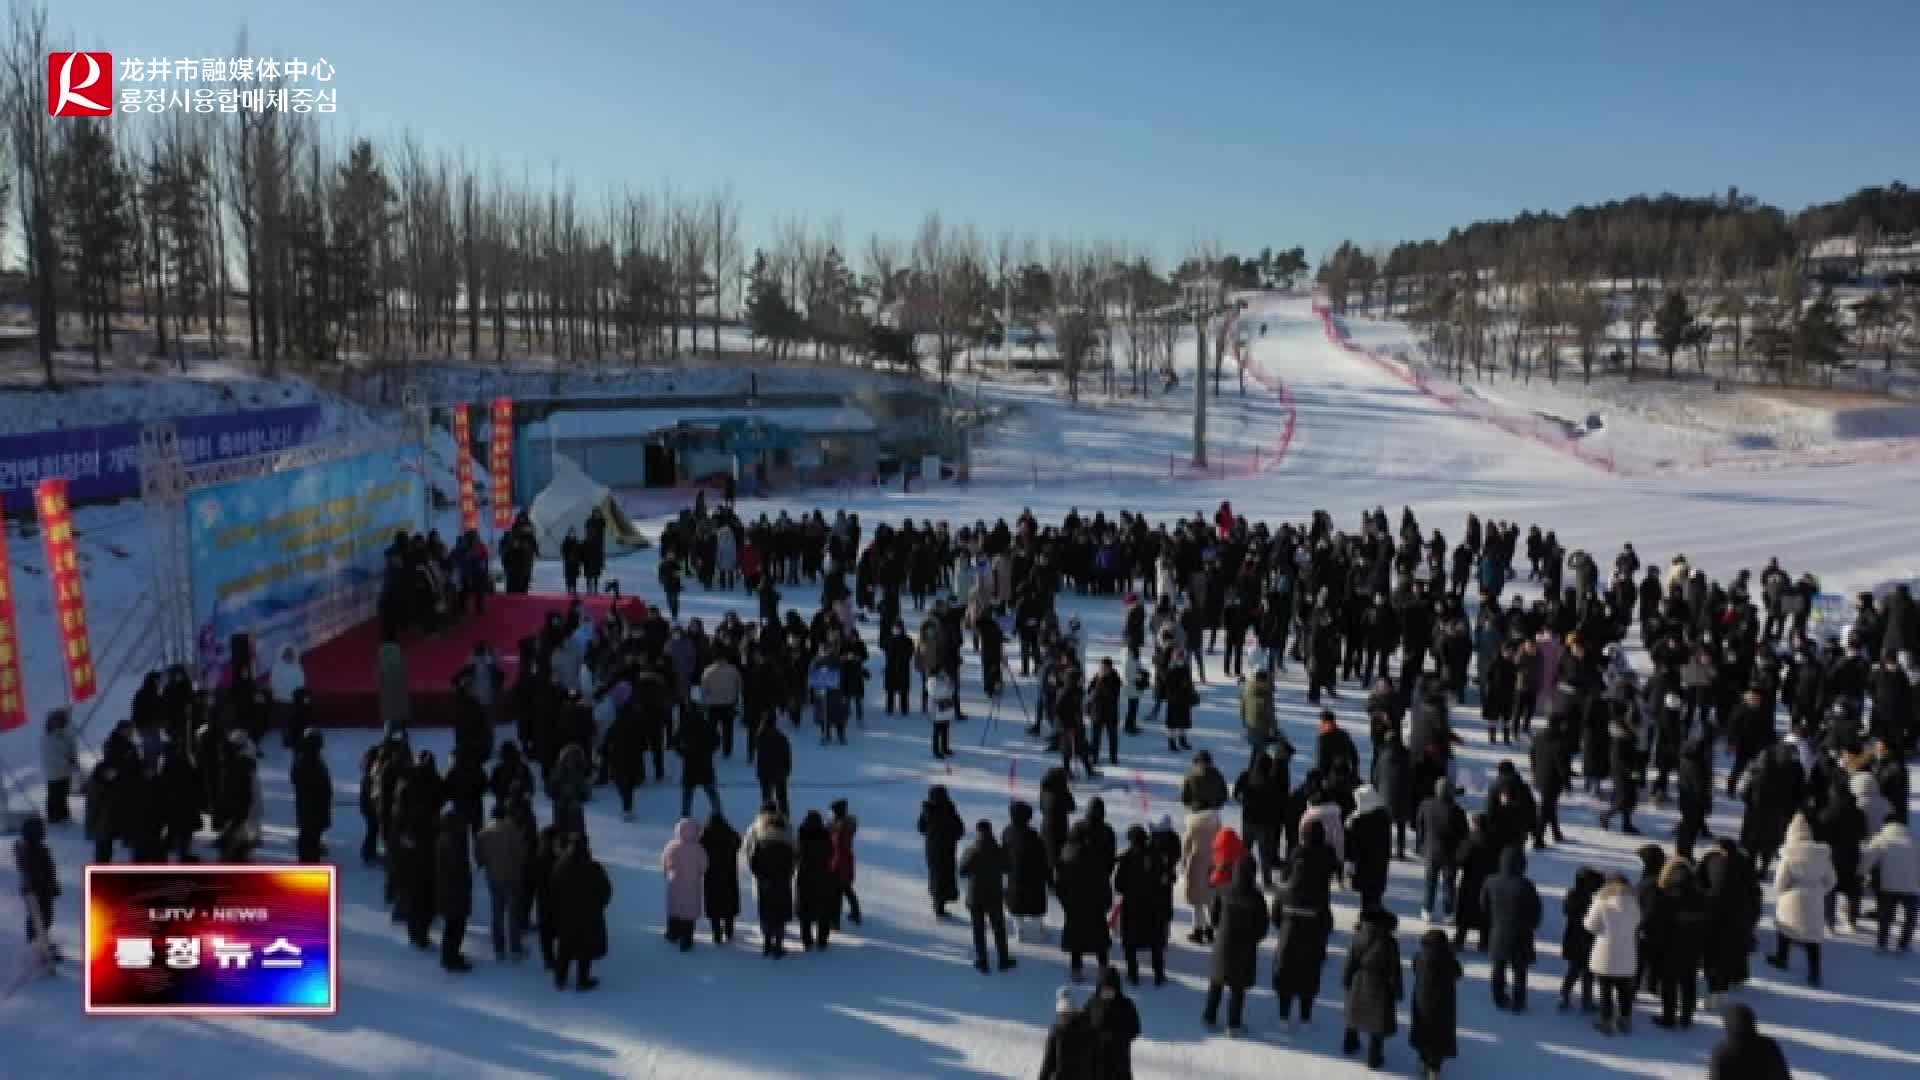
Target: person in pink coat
{"points": [[684, 861]]}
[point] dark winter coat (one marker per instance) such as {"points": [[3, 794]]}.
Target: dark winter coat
{"points": [[1239, 927], [1551, 775], [984, 866], [722, 885], [1674, 935], [1733, 910], [1393, 779], [1441, 825], [1085, 897], [940, 824], [1435, 1021], [1369, 849], [816, 890], [772, 865], [1477, 859], [1575, 941], [1372, 978], [1745, 1054], [1140, 880], [1056, 817], [453, 868], [578, 891], [1029, 876], [1073, 1050], [312, 791], [1115, 1025], [1302, 922], [1513, 909]]}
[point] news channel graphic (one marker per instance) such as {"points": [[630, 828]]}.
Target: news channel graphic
{"points": [[212, 941]]}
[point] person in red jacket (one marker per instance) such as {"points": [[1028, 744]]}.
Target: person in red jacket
{"points": [[840, 862]]}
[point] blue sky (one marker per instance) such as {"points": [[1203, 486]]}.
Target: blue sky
{"points": [[1156, 124]]}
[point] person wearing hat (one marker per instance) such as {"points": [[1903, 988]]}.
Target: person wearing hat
{"points": [[1072, 1048]]}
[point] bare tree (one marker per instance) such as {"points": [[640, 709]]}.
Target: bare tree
{"points": [[723, 251], [31, 131]]}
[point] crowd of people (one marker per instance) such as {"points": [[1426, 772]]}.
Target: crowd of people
{"points": [[1416, 628]]}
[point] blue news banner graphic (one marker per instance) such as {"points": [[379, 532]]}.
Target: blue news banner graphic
{"points": [[103, 463], [263, 552]]}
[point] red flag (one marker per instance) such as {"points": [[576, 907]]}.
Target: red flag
{"points": [[463, 468], [500, 463], [69, 599], [13, 688]]}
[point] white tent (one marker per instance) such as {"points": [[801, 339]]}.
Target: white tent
{"points": [[569, 499]]}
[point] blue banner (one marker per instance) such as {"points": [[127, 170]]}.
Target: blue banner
{"points": [[103, 463], [266, 554]]}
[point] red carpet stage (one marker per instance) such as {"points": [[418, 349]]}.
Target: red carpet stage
{"points": [[343, 674]]}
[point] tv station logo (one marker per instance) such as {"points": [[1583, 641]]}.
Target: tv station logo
{"points": [[212, 941]]}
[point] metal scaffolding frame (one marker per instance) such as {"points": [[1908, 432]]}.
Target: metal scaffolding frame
{"points": [[167, 483]]}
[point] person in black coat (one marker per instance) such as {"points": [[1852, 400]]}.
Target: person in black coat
{"points": [[1693, 794], [1139, 880], [1302, 921], [1551, 777], [1477, 859], [940, 824], [312, 798], [39, 883], [773, 763], [1262, 793], [816, 889], [1676, 933], [1432, 1030], [695, 743], [1373, 983], [1745, 1054], [1392, 777], [1086, 895], [575, 901], [1576, 943], [1073, 1049], [453, 887], [1624, 765], [1513, 914], [1369, 847], [1733, 912], [771, 860], [1029, 876], [1056, 816], [1239, 927], [722, 885], [1440, 826], [1116, 1023], [984, 866]]}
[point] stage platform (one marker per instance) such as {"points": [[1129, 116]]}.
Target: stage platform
{"points": [[343, 674]]}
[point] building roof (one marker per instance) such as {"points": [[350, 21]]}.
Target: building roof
{"points": [[627, 423]]}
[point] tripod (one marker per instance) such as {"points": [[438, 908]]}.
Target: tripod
{"points": [[993, 703]]}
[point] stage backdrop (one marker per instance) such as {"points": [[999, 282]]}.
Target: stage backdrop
{"points": [[265, 554]]}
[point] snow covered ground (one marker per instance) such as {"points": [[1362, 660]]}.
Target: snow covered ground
{"points": [[1656, 425], [897, 996]]}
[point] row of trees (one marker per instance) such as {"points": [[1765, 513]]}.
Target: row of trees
{"points": [[180, 226], [1536, 284]]}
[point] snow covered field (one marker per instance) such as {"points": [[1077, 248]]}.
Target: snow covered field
{"points": [[898, 996], [1656, 425]]}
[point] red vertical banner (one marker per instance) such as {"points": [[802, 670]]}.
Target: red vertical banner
{"points": [[463, 468], [69, 600], [500, 463], [13, 689]]}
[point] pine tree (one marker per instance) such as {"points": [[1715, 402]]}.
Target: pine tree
{"points": [[1673, 326]]}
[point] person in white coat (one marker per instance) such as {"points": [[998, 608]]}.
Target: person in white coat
{"points": [[1135, 678], [1866, 795], [1196, 871], [1614, 921], [1893, 855], [59, 764], [1801, 883]]}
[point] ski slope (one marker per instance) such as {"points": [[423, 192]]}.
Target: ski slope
{"points": [[897, 996]]}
